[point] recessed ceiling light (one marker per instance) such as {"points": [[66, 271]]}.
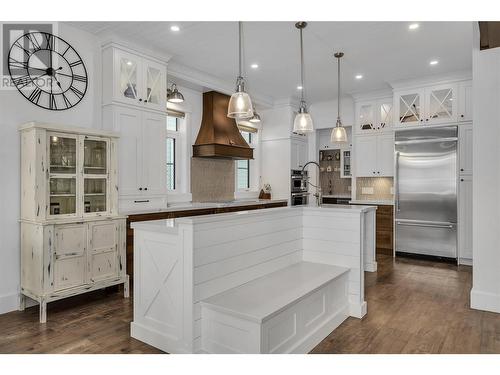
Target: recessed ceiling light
{"points": [[254, 66], [358, 76], [174, 28], [129, 63], [434, 62], [414, 26], [299, 87]]}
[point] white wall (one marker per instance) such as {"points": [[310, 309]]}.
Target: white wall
{"points": [[324, 113], [485, 294], [15, 110]]}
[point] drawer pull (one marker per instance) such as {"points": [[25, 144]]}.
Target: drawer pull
{"points": [[142, 201]]}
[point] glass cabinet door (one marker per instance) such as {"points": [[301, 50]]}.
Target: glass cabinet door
{"points": [[385, 114], [94, 195], [154, 80], [95, 175], [366, 118], [410, 108], [62, 182], [62, 154], [440, 105], [129, 89]]}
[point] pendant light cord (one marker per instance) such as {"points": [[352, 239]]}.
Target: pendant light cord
{"points": [[302, 67], [338, 88], [240, 29]]}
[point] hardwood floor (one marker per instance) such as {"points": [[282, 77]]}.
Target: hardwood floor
{"points": [[414, 306]]}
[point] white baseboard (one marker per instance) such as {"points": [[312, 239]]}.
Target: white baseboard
{"points": [[9, 302], [371, 267], [484, 301], [357, 310]]}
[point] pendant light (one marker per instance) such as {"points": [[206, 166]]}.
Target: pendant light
{"points": [[339, 134], [240, 104], [303, 122], [255, 119], [173, 95]]}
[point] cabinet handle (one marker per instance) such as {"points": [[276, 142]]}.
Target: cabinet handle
{"points": [[143, 201]]}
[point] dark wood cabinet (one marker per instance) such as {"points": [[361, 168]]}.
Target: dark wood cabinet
{"points": [[385, 229], [178, 214]]}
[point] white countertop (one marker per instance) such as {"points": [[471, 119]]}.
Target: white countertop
{"points": [[171, 225], [186, 206], [380, 202]]}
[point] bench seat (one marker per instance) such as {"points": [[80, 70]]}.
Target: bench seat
{"points": [[290, 310]]}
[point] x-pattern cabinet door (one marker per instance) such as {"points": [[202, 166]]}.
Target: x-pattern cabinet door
{"points": [[441, 104], [154, 85], [409, 107], [129, 80]]}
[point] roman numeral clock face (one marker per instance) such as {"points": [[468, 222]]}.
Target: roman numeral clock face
{"points": [[47, 71]]}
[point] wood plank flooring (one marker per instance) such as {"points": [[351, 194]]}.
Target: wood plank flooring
{"points": [[414, 306]]}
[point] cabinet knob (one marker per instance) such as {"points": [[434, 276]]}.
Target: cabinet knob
{"points": [[462, 116], [462, 179], [461, 169], [421, 119], [426, 119], [140, 188], [145, 101], [378, 172], [140, 99], [145, 188], [373, 172]]}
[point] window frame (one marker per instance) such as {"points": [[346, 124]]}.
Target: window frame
{"points": [[177, 137], [252, 143]]}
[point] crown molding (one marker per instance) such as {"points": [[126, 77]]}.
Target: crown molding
{"points": [[372, 95], [463, 75]]}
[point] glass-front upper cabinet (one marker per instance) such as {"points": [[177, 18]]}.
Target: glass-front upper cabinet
{"points": [[155, 83], [95, 175], [365, 117], [63, 157], [129, 77], [385, 117], [375, 115], [441, 104], [409, 107]]}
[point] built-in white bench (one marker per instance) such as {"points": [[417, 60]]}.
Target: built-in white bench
{"points": [[182, 264], [287, 311]]}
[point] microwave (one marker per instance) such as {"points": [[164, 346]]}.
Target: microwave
{"points": [[298, 181]]}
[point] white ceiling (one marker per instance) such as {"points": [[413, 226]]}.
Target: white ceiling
{"points": [[382, 52]]}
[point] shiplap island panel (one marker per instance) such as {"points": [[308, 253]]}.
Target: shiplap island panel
{"points": [[182, 264]]}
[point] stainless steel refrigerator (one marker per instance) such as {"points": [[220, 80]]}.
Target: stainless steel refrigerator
{"points": [[425, 189]]}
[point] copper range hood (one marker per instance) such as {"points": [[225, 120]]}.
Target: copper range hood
{"points": [[219, 136]]}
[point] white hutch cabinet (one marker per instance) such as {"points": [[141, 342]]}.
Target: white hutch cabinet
{"points": [[135, 106], [72, 238]]}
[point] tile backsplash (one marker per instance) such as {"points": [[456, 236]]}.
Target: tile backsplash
{"points": [[374, 188], [331, 182], [212, 180]]}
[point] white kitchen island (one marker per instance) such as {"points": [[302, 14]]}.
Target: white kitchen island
{"points": [[266, 281]]}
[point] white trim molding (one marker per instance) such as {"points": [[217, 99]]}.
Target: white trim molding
{"points": [[486, 301]]}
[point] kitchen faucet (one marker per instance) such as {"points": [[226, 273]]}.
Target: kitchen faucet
{"points": [[318, 194]]}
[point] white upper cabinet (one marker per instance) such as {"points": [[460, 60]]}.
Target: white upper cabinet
{"points": [[465, 101], [374, 155], [299, 149], [432, 105], [134, 79], [374, 115]]}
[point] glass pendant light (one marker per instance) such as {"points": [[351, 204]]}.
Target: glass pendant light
{"points": [[339, 134], [255, 119], [303, 122], [173, 94], [240, 104]]}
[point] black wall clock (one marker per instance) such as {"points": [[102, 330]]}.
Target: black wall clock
{"points": [[47, 71]]}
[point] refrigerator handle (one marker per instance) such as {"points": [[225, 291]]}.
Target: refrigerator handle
{"points": [[396, 185]]}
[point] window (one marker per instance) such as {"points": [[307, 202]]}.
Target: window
{"points": [[173, 134], [243, 167]]}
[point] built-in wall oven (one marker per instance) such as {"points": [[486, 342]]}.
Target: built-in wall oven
{"points": [[299, 187]]}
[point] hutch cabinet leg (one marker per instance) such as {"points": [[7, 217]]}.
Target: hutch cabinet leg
{"points": [[43, 311], [22, 302], [126, 288]]}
